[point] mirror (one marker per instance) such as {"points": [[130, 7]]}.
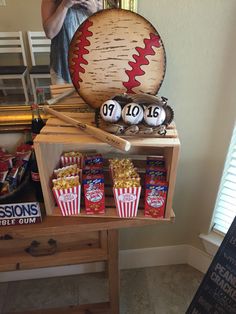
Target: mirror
{"points": [[17, 118]]}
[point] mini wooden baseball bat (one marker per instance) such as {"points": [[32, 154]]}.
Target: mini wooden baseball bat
{"points": [[106, 137]]}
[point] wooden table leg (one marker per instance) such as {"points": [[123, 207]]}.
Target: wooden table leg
{"points": [[113, 270]]}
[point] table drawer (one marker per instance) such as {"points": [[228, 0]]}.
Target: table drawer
{"points": [[51, 250]]}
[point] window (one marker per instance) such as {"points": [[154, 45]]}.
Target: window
{"points": [[225, 207]]}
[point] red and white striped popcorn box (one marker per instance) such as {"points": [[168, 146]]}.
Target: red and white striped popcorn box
{"points": [[67, 161], [127, 201], [68, 200]]}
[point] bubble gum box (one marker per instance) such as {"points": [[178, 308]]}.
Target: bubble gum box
{"points": [[94, 195], [156, 161], [93, 161], [155, 200]]}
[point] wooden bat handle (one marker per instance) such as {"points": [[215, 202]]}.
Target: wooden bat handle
{"points": [[106, 137]]}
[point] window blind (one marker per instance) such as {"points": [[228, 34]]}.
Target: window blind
{"points": [[225, 207]]}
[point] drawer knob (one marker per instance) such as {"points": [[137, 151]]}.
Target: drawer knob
{"points": [[36, 250], [6, 237]]}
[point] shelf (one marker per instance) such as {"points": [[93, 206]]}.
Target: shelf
{"points": [[111, 213]]}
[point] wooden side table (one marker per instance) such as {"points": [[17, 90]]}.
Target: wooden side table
{"points": [[65, 241], [72, 240]]}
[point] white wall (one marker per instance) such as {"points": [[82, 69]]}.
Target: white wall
{"points": [[200, 82]]}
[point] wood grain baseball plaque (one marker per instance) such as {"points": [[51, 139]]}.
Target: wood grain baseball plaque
{"points": [[116, 51]]}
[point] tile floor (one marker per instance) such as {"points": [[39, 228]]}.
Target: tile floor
{"points": [[154, 290]]}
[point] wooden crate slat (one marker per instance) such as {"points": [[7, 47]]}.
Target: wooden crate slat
{"points": [[72, 96], [74, 115], [74, 101], [26, 261], [111, 213], [161, 141], [170, 133], [59, 89], [85, 116], [52, 129], [57, 122], [88, 118], [66, 86], [91, 141], [57, 92], [61, 130]]}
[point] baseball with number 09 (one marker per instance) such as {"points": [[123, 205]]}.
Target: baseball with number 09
{"points": [[132, 113], [110, 111], [154, 115]]}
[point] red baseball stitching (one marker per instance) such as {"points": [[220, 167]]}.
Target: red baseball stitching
{"points": [[80, 50], [140, 59]]}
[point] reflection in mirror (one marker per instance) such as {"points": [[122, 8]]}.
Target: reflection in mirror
{"points": [[16, 116], [124, 4], [112, 3]]}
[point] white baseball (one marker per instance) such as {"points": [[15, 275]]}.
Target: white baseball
{"points": [[132, 113], [110, 111], [154, 115]]}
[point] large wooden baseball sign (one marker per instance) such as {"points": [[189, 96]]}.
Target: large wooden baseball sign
{"points": [[116, 51]]}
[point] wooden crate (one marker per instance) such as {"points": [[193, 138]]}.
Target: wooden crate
{"points": [[58, 137]]}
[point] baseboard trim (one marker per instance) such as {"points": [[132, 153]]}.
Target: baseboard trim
{"points": [[199, 259], [155, 256], [129, 259]]}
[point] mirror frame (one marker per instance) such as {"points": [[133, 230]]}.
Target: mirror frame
{"points": [[17, 118]]}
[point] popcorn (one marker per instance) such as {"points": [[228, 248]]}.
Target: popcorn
{"points": [[65, 183], [73, 154], [67, 191], [127, 183], [71, 158], [67, 171], [124, 174]]}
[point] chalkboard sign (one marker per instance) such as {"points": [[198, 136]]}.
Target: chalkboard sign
{"points": [[217, 292]]}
